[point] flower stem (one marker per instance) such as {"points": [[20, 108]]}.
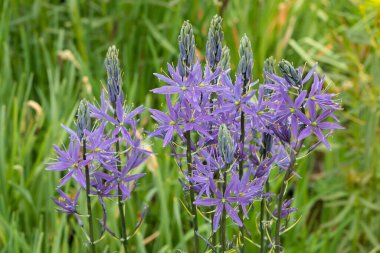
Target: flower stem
{"points": [[293, 155], [89, 210], [262, 212], [194, 208], [223, 222], [241, 166], [123, 238]]}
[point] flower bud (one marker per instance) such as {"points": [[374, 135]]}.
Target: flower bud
{"points": [[266, 144], [269, 69], [224, 63], [214, 42], [246, 59], [112, 66], [83, 121], [186, 43], [226, 145], [290, 74]]}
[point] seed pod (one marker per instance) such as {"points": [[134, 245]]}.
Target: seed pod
{"points": [[186, 43], [226, 144], [246, 59], [112, 66], [214, 42], [290, 74], [83, 120]]}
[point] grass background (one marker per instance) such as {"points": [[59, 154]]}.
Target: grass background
{"points": [[52, 53]]}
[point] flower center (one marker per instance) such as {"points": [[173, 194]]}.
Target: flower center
{"points": [[75, 165], [237, 102], [260, 112], [172, 122], [97, 150], [241, 194], [314, 123], [292, 110], [312, 98], [183, 88], [223, 200], [201, 85], [121, 123]]}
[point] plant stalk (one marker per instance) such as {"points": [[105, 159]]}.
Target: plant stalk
{"points": [[193, 206], [241, 165], [262, 212], [123, 238], [89, 210], [293, 155], [223, 221]]}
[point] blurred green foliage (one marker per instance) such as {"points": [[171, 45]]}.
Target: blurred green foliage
{"points": [[52, 53]]}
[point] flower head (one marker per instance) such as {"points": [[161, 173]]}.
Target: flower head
{"points": [[186, 42], [246, 59], [112, 66], [215, 42]]}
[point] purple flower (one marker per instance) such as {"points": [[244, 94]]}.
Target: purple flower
{"points": [[100, 147], [222, 202], [320, 97], [190, 87], [315, 125], [168, 123], [67, 205], [246, 191], [286, 209], [71, 161]]}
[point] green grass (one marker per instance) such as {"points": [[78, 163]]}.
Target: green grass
{"points": [[41, 83]]}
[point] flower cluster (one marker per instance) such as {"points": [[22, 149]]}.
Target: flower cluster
{"points": [[103, 152], [236, 131]]}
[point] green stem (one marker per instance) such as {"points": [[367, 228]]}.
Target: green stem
{"points": [[262, 212], [223, 221], [262, 234], [293, 155], [194, 208], [89, 210], [241, 165], [123, 238]]}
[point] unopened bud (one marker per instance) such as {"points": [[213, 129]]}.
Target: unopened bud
{"points": [[214, 42], [246, 59], [224, 63], [83, 121], [186, 43], [112, 66], [290, 74], [226, 144]]}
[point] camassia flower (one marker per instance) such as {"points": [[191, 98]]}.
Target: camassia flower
{"points": [[227, 134], [103, 152], [221, 201], [315, 124], [69, 160]]}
